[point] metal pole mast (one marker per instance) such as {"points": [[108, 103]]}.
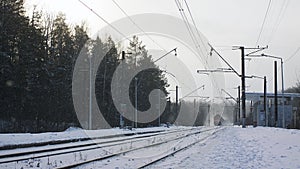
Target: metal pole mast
{"points": [[275, 93], [243, 87], [136, 102], [239, 104], [265, 100], [176, 103], [90, 94], [282, 92]]}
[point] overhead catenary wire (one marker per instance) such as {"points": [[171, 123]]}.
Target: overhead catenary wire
{"points": [[185, 19], [118, 31], [198, 33], [113, 27], [190, 30], [193, 91], [194, 23], [104, 20], [261, 29], [193, 37], [199, 36], [263, 24], [278, 20], [134, 23], [294, 54], [192, 34]]}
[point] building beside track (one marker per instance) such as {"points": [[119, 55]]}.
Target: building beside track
{"points": [[290, 103]]}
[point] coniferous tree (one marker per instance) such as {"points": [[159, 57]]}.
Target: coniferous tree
{"points": [[38, 54], [148, 79]]}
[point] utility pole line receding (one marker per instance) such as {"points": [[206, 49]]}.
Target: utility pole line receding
{"points": [[243, 78], [282, 82]]}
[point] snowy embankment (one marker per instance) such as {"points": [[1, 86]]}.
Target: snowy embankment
{"points": [[19, 140], [237, 147]]}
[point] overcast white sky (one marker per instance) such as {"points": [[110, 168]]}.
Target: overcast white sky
{"points": [[223, 22]]}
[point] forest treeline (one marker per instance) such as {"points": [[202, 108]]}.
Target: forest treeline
{"points": [[37, 55]]}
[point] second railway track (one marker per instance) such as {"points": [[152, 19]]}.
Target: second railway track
{"points": [[76, 154]]}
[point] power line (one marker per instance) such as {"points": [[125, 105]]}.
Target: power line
{"points": [[279, 19], [191, 33], [104, 20], [199, 35], [294, 54], [190, 30], [261, 30], [262, 26], [193, 37], [124, 12], [193, 91]]}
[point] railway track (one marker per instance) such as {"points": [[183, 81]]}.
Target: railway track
{"points": [[78, 154], [18, 154], [176, 149], [139, 159]]}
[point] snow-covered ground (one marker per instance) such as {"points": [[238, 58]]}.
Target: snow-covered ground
{"points": [[236, 147], [65, 154], [228, 147]]}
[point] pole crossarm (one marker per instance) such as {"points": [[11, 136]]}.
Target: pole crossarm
{"points": [[215, 70], [203, 97], [166, 54], [213, 49], [258, 50], [230, 96], [254, 76], [266, 55], [271, 56], [192, 92]]}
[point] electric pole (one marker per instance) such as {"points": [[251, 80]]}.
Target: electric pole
{"points": [[243, 76], [239, 104], [243, 86], [282, 92], [275, 93], [90, 94], [265, 100], [176, 102]]}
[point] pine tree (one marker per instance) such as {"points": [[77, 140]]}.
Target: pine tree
{"points": [[148, 79], [110, 61]]}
